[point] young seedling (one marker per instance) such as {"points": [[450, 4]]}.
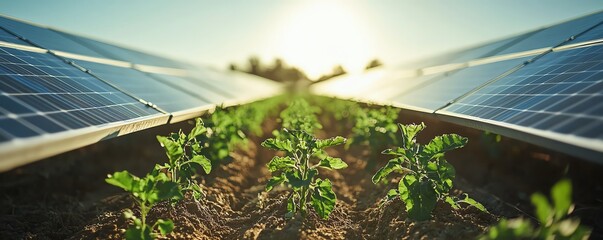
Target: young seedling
{"points": [[427, 176], [184, 154], [375, 127], [552, 218], [299, 168], [299, 115], [146, 192]]}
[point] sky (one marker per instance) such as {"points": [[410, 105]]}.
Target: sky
{"points": [[314, 35]]}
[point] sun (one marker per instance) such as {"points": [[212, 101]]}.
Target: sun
{"points": [[318, 35]]}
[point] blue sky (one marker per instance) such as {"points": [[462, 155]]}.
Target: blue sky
{"points": [[314, 35]]}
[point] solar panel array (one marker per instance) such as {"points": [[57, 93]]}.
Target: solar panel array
{"points": [[60, 91], [545, 86]]}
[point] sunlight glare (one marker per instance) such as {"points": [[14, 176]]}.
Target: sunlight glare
{"points": [[318, 35]]}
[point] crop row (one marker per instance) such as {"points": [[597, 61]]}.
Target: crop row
{"points": [[426, 176]]}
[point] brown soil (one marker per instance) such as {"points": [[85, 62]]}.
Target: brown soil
{"points": [[66, 197]]}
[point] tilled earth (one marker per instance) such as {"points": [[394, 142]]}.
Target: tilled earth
{"points": [[66, 197]]}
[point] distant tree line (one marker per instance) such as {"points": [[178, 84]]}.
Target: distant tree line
{"points": [[281, 72]]}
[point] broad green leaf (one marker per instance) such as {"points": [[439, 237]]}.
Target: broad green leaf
{"points": [[409, 133], [123, 180], [323, 198], [136, 233], [392, 193], [441, 144], [392, 165], [295, 180], [198, 129], [274, 181], [330, 142], [281, 164], [165, 191], [276, 144], [332, 163], [543, 208], [442, 173], [203, 162], [165, 226], [172, 149], [561, 194], [420, 197]]}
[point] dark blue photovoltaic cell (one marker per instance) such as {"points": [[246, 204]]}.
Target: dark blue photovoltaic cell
{"points": [[560, 92], [142, 86], [554, 35], [40, 94], [486, 50], [445, 89], [46, 38], [592, 34], [7, 37], [197, 88], [123, 54]]}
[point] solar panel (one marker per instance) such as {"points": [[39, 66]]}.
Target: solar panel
{"points": [[7, 37], [555, 35], [45, 38], [592, 34], [198, 88], [40, 94], [440, 91], [561, 92], [482, 51], [122, 54], [144, 87]]}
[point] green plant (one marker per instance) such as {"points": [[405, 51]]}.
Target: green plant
{"points": [[184, 152], [427, 176], [146, 191], [554, 223], [375, 127], [299, 115], [299, 168]]}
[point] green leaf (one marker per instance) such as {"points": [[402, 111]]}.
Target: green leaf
{"points": [[281, 163], [392, 165], [332, 163], [165, 226], [474, 203], [274, 181], [409, 133], [296, 181], [165, 191], [323, 198], [396, 151], [452, 203], [441, 144], [172, 149], [419, 196], [543, 208], [136, 233], [122, 179], [203, 162], [561, 194], [442, 173], [198, 129], [275, 144], [330, 142]]}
